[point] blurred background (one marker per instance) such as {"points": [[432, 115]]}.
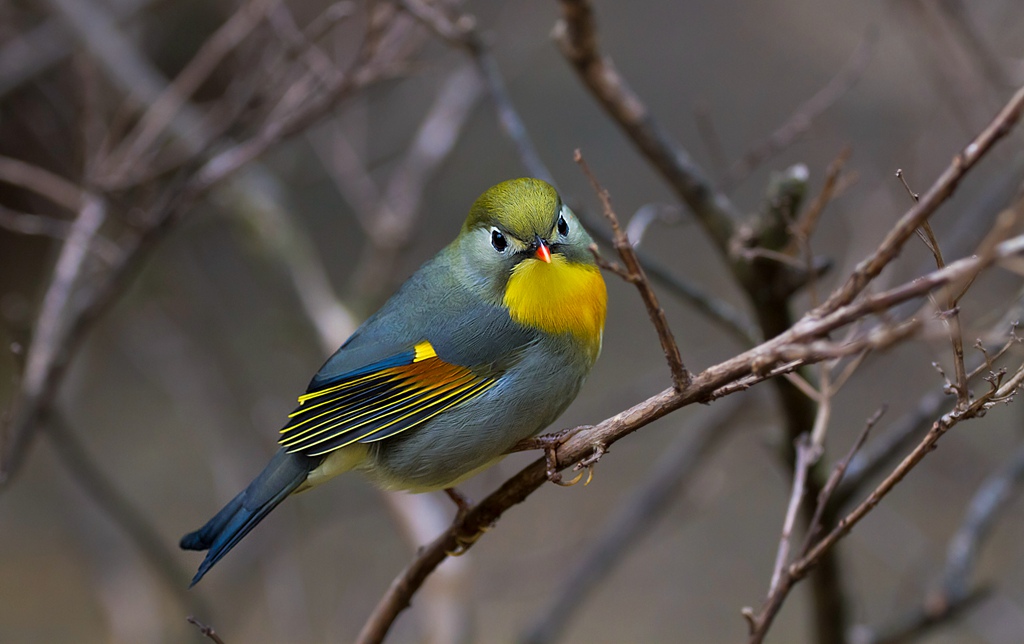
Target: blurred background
{"points": [[172, 399]]}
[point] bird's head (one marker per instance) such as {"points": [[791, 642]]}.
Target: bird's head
{"points": [[529, 252]]}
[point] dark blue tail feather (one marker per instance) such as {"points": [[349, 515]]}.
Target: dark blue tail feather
{"points": [[279, 478]]}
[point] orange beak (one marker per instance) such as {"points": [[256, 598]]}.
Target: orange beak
{"points": [[543, 252]]}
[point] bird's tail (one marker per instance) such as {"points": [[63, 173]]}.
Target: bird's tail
{"points": [[279, 478]]}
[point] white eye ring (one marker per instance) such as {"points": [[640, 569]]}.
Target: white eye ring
{"points": [[562, 225], [498, 240]]}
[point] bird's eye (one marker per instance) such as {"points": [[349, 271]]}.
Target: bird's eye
{"points": [[498, 240], [563, 227]]}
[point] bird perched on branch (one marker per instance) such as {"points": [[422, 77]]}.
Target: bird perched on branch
{"points": [[484, 346]]}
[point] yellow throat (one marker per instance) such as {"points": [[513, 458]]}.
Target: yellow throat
{"points": [[560, 297]]}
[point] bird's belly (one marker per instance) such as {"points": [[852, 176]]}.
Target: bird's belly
{"points": [[465, 440]]}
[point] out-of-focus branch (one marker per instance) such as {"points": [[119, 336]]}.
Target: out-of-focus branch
{"points": [[42, 182], [955, 593], [26, 223], [174, 96], [801, 119], [130, 70], [389, 217], [576, 35], [41, 47], [635, 517], [44, 361], [105, 493], [462, 32]]}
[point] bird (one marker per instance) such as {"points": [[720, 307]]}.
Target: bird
{"points": [[484, 346]]}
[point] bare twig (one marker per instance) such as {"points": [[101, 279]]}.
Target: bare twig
{"points": [[722, 314], [462, 32], [634, 517], [806, 456], [26, 223], [955, 593], [175, 95], [576, 35], [205, 630], [151, 543], [42, 182], [798, 569], [936, 195], [51, 331], [836, 477], [803, 117], [635, 275], [952, 312]]}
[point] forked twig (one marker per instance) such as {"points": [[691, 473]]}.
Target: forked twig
{"points": [[634, 273]]}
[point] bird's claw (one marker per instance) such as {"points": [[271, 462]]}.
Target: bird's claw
{"points": [[550, 444], [589, 463], [463, 542]]}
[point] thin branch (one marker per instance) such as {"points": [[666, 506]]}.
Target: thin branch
{"points": [[634, 518], [955, 593], [205, 630], [576, 35], [719, 312], [50, 333], [635, 275], [151, 543], [836, 477], [803, 117], [174, 96], [462, 32], [755, 365], [936, 195], [952, 312], [801, 567], [26, 223], [806, 456], [44, 183]]}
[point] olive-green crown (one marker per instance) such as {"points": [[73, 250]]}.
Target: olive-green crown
{"points": [[522, 207]]}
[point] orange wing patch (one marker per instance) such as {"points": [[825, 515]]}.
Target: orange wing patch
{"points": [[379, 401]]}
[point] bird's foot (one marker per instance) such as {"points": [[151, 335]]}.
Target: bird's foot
{"points": [[550, 444], [461, 501], [589, 463], [464, 541]]}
